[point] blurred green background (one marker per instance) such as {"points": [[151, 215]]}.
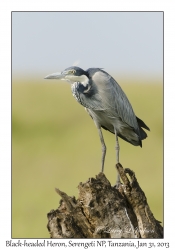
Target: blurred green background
{"points": [[55, 144]]}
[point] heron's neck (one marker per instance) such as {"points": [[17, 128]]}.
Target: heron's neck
{"points": [[84, 80]]}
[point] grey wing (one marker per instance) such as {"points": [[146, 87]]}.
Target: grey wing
{"points": [[108, 96]]}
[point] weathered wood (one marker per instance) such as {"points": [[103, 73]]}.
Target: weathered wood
{"points": [[103, 211]]}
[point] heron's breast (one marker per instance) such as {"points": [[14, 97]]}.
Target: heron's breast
{"points": [[77, 89]]}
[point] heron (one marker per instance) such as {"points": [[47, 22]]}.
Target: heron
{"points": [[106, 103]]}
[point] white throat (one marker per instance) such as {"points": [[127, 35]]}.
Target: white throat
{"points": [[83, 79]]}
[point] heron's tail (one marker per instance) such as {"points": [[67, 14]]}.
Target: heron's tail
{"points": [[141, 124]]}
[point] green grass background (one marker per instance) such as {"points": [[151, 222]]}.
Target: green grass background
{"points": [[55, 144]]}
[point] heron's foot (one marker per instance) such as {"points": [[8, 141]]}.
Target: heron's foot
{"points": [[118, 182]]}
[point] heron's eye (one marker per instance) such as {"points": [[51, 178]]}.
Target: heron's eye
{"points": [[72, 71]]}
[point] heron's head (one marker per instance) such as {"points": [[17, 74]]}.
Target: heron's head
{"points": [[71, 74]]}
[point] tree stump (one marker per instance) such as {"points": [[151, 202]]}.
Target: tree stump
{"points": [[105, 211]]}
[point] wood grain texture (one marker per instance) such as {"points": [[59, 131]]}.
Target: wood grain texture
{"points": [[105, 211]]}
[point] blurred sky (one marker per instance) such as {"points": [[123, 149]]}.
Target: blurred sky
{"points": [[122, 42]]}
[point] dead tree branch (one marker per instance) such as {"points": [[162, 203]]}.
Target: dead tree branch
{"points": [[103, 211]]}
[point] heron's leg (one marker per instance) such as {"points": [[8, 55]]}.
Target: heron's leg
{"points": [[117, 147], [103, 149], [117, 156]]}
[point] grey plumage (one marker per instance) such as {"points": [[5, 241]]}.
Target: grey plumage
{"points": [[106, 103]]}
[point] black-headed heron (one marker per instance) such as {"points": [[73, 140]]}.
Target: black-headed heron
{"points": [[106, 103]]}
